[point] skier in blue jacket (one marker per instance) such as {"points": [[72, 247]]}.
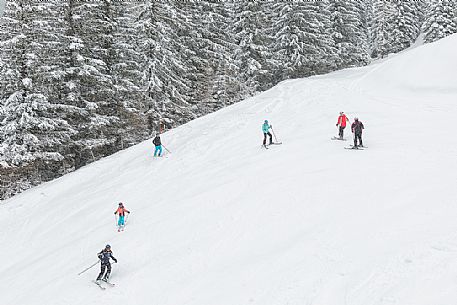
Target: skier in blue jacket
{"points": [[266, 131]]}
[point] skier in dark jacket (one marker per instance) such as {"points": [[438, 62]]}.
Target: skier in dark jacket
{"points": [[158, 144], [105, 255], [357, 128]]}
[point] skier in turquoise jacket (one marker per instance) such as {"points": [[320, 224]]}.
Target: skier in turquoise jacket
{"points": [[266, 131]]}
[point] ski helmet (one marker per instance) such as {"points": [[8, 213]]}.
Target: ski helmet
{"points": [[108, 247], [341, 112], [356, 119], [266, 121], [120, 204]]}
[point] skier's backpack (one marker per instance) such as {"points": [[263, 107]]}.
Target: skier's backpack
{"points": [[156, 141]]}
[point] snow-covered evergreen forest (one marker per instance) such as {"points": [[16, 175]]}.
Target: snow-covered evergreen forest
{"points": [[80, 80]]}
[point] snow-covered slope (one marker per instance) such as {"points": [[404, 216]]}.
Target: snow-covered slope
{"points": [[222, 221]]}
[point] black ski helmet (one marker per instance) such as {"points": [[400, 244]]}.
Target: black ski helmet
{"points": [[108, 247]]}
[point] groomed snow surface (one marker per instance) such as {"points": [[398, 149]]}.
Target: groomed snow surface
{"points": [[222, 221]]}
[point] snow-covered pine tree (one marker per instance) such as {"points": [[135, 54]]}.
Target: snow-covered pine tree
{"points": [[196, 61], [161, 29], [225, 84], [408, 24], [286, 43], [124, 66], [212, 77], [252, 54], [303, 43], [367, 16], [349, 32], [441, 20], [396, 25], [90, 74], [96, 78], [385, 17], [32, 135], [30, 130], [27, 50]]}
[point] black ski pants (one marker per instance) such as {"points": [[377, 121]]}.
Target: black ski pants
{"points": [[359, 137], [104, 267], [265, 138], [341, 131]]}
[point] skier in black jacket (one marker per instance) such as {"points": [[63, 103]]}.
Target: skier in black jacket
{"points": [[357, 128], [104, 257], [158, 144]]}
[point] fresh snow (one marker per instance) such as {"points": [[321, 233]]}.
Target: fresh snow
{"points": [[222, 221]]}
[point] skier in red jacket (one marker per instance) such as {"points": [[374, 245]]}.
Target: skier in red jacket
{"points": [[342, 119], [121, 210]]}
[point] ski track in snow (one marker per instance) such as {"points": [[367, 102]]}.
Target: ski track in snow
{"points": [[222, 221]]}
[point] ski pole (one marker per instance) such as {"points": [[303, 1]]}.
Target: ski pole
{"points": [[272, 130], [127, 218], [115, 219], [88, 267], [166, 149]]}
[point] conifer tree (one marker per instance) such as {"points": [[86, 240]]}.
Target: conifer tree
{"points": [[161, 28], [31, 130], [349, 32], [304, 45], [212, 76], [441, 20], [252, 54]]}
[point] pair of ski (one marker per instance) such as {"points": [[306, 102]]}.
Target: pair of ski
{"points": [[100, 285], [275, 143], [339, 139], [352, 146], [356, 147]]}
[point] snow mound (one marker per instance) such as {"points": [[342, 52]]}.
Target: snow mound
{"points": [[429, 70], [223, 221]]}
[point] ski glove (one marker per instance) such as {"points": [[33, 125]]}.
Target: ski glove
{"points": [[115, 260]]}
